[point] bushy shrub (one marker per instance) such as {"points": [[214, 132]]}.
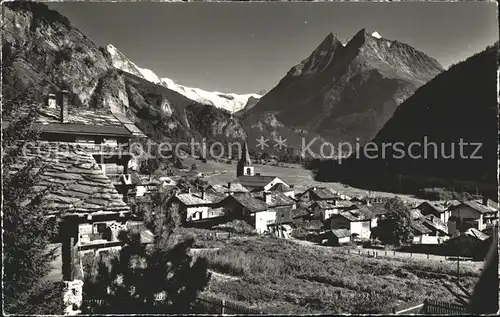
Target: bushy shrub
{"points": [[300, 233]]}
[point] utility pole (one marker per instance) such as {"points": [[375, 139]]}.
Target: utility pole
{"points": [[459, 225]]}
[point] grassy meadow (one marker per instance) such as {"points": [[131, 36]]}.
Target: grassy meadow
{"points": [[281, 276]]}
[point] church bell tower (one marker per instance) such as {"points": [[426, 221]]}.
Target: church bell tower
{"points": [[244, 167]]}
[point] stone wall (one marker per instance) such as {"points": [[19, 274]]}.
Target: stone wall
{"points": [[73, 297]]}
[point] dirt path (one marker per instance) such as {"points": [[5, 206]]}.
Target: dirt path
{"points": [[224, 277]]}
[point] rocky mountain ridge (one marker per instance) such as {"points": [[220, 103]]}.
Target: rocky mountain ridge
{"points": [[345, 92]]}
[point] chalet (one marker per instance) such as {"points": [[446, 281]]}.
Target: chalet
{"points": [[471, 242], [262, 210], [478, 214], [357, 221], [107, 135], [256, 183], [247, 207], [335, 237], [279, 203], [436, 209], [81, 198], [376, 210], [420, 233], [283, 188], [323, 209], [318, 193], [192, 207]]}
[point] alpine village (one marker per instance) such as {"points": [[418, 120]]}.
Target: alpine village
{"points": [[94, 223]]}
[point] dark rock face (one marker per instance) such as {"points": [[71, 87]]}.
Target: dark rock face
{"points": [[347, 92], [458, 105], [43, 51]]}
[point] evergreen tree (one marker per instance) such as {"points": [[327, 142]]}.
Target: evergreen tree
{"points": [[161, 279], [27, 231]]}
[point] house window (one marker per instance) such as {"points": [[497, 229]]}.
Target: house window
{"points": [[101, 231], [196, 215], [249, 171]]}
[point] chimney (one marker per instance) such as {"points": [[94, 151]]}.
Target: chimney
{"points": [[229, 188], [368, 201], [314, 188], [51, 101], [485, 200], [203, 193], [64, 106], [189, 190], [267, 197]]}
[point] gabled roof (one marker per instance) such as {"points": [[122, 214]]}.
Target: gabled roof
{"points": [[280, 187], [322, 205], [344, 204], [82, 129], [436, 206], [248, 201], [192, 200], [415, 213], [478, 206], [255, 181], [341, 233], [476, 234], [434, 223], [322, 192], [373, 208], [87, 121], [355, 215], [80, 187], [300, 213], [223, 188], [277, 200], [418, 228]]}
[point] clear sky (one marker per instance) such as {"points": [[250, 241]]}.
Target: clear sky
{"points": [[247, 47]]}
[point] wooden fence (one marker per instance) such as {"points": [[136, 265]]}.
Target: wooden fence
{"points": [[211, 305], [203, 305], [435, 307]]}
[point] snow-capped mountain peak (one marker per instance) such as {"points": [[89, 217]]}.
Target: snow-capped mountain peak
{"points": [[229, 101], [376, 35]]}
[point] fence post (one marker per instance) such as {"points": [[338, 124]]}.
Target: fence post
{"points": [[394, 253], [359, 251], [385, 253], [222, 306]]}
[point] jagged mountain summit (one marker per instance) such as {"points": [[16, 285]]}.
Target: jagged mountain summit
{"points": [[345, 92], [229, 101]]}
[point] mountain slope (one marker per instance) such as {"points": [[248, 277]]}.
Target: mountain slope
{"points": [[459, 105], [228, 101], [40, 49], [347, 92]]}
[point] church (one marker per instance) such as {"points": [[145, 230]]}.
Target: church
{"points": [[254, 182]]}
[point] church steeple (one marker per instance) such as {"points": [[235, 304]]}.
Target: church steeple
{"points": [[244, 164]]}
